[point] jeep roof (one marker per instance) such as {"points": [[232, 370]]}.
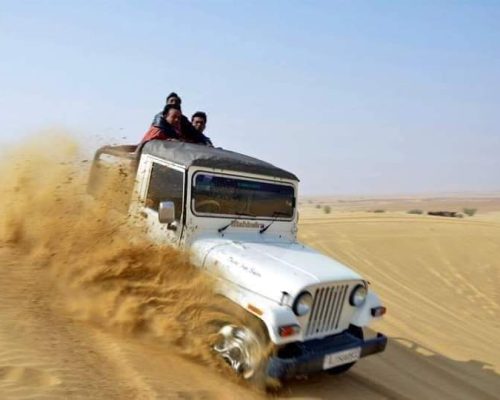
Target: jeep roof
{"points": [[187, 155]]}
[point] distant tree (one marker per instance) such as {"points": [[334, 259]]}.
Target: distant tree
{"points": [[415, 211], [327, 209], [379, 211], [469, 211]]}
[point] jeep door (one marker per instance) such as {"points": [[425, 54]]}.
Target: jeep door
{"points": [[165, 183]]}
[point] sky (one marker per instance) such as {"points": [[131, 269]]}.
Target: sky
{"points": [[354, 97]]}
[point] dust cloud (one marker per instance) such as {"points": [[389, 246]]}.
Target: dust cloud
{"points": [[108, 272]]}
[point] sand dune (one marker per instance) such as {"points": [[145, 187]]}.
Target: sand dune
{"points": [[85, 314]]}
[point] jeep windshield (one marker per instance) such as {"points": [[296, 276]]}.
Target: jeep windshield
{"points": [[228, 195]]}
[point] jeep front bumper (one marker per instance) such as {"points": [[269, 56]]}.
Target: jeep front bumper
{"points": [[308, 357]]}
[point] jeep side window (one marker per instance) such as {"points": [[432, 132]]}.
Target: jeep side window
{"points": [[165, 184]]}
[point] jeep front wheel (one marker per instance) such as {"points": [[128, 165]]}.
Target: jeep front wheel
{"points": [[241, 348]]}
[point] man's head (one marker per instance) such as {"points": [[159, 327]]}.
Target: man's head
{"points": [[174, 99], [199, 121], [172, 114]]}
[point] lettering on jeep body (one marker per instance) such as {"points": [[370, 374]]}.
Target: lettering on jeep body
{"points": [[246, 224]]}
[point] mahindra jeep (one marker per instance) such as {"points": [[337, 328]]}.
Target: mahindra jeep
{"points": [[237, 217]]}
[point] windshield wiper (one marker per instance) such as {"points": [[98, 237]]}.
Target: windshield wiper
{"points": [[275, 214], [223, 228]]}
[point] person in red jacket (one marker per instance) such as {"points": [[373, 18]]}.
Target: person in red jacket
{"points": [[188, 132], [166, 128]]}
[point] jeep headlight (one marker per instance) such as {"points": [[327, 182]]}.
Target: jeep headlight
{"points": [[358, 295], [302, 304]]}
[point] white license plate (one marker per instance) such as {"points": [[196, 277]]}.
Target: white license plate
{"points": [[341, 358]]}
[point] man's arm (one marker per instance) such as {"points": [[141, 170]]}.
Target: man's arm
{"points": [[208, 142]]}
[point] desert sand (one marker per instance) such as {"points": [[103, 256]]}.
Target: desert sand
{"points": [[84, 314], [439, 279]]}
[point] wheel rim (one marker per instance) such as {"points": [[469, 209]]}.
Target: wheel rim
{"points": [[240, 348]]}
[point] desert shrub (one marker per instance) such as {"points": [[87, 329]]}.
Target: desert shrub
{"points": [[469, 211], [378, 211], [415, 211], [318, 205], [452, 214], [327, 209]]}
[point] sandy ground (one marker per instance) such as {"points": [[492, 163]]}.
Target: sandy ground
{"points": [[46, 354], [438, 277]]}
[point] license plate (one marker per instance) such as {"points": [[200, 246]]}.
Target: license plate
{"points": [[341, 358]]}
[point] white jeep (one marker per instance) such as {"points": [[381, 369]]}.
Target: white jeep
{"points": [[237, 217]]}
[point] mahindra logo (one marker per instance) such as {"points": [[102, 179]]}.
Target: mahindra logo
{"points": [[246, 224]]}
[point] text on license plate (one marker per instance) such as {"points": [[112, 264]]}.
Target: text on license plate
{"points": [[341, 358]]}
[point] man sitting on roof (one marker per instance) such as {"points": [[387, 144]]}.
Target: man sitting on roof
{"points": [[187, 132], [199, 122], [168, 127]]}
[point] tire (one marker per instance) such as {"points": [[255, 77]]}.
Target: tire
{"points": [[243, 342], [240, 347]]}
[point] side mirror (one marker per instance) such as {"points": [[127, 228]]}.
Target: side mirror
{"points": [[166, 212]]}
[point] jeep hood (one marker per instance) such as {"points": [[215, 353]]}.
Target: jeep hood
{"points": [[269, 268]]}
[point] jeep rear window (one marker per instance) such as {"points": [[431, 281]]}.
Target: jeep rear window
{"points": [[226, 195]]}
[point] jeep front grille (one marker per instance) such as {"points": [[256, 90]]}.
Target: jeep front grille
{"points": [[326, 311]]}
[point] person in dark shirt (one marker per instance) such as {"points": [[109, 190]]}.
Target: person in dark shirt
{"points": [[173, 98], [187, 132], [199, 121]]}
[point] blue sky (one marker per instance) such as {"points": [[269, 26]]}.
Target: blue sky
{"points": [[355, 97]]}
